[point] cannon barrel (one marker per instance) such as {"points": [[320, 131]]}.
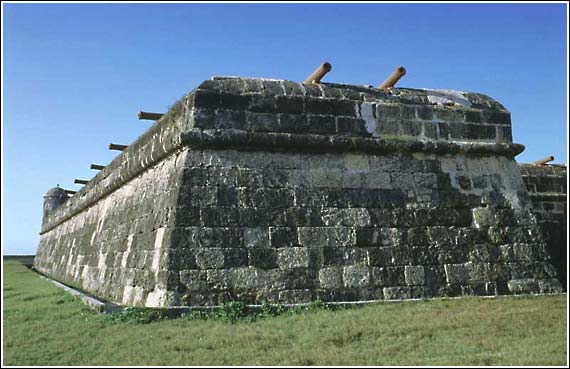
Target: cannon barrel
{"points": [[97, 167], [393, 78], [81, 181], [143, 115], [318, 74], [70, 192], [117, 147], [544, 161]]}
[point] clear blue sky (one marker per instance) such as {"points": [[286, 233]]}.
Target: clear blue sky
{"points": [[75, 75]]}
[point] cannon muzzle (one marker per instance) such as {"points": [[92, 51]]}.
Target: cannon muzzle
{"points": [[544, 161], [97, 167], [393, 78], [318, 74], [117, 147], [81, 181], [143, 115]]}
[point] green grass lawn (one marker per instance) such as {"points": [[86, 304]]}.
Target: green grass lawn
{"points": [[45, 326]]}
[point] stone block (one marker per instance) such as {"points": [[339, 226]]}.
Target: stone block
{"points": [[290, 104], [320, 106], [523, 252], [414, 275], [256, 237], [235, 102], [264, 258], [550, 286], [180, 259], [343, 256], [388, 128], [356, 276], [388, 276], [229, 119], [283, 236], [293, 123], [322, 124], [260, 103], [378, 218], [443, 131], [479, 132], [261, 122], [235, 257], [209, 258], [504, 134], [409, 128], [227, 196], [299, 278], [417, 236], [265, 197], [376, 180], [425, 181], [186, 216], [397, 293], [472, 116], [457, 273], [324, 178], [326, 236], [351, 126], [483, 217], [356, 162], [330, 278], [293, 257], [526, 285], [424, 112], [450, 115], [429, 130], [296, 296], [246, 278], [193, 280], [344, 107], [387, 112], [207, 99], [219, 216], [204, 118], [479, 272], [403, 181], [481, 253], [221, 177], [496, 117], [387, 256]]}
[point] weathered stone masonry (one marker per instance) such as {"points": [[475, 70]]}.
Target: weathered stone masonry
{"points": [[547, 190], [267, 190]]}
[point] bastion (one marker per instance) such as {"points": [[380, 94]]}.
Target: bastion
{"points": [[259, 190]]}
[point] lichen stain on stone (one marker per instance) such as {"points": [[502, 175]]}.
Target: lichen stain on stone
{"points": [[365, 111], [158, 243], [447, 97]]}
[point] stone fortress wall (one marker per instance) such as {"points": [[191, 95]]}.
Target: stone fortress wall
{"points": [[547, 188], [272, 191]]}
